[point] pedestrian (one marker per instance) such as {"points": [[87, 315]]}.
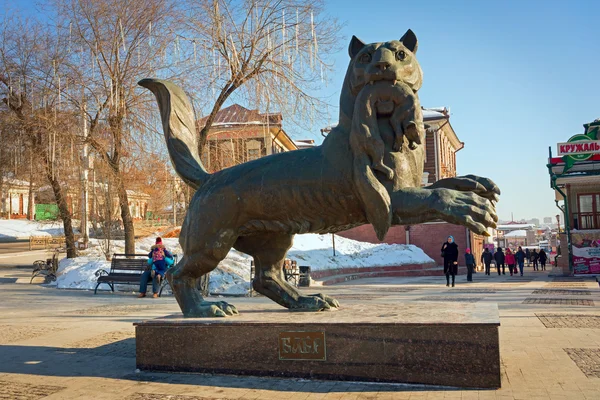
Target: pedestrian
{"points": [[499, 259], [486, 259], [520, 257], [510, 260], [470, 262], [534, 259], [450, 254], [543, 258], [528, 256], [158, 259]]}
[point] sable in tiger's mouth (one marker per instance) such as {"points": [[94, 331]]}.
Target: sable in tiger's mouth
{"points": [[387, 94]]}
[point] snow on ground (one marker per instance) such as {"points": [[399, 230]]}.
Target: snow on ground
{"points": [[23, 228], [232, 276]]}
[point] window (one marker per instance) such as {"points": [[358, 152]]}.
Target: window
{"points": [[227, 156], [253, 154], [588, 216], [253, 148]]}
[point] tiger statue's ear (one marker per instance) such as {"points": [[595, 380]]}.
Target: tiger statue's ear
{"points": [[409, 40], [355, 46]]}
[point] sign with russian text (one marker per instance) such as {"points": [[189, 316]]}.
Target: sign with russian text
{"points": [[302, 346], [585, 146], [586, 252], [581, 147]]}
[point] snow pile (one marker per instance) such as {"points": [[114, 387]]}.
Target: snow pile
{"points": [[23, 228], [232, 276], [317, 251]]}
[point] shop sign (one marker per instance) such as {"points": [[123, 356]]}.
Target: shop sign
{"points": [[583, 148], [586, 252], [580, 147]]}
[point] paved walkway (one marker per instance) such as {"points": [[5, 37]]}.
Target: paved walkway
{"points": [[59, 344]]}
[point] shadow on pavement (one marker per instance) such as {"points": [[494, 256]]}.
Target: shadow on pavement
{"points": [[117, 361]]}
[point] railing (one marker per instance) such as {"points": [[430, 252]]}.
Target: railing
{"points": [[586, 221]]}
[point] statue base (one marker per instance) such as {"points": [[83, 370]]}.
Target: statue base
{"points": [[414, 342]]}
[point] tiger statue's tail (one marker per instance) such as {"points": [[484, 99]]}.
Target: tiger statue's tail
{"points": [[179, 128]]}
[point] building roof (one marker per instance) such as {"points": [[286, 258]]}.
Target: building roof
{"points": [[14, 182], [516, 234], [239, 115], [304, 143], [514, 227]]}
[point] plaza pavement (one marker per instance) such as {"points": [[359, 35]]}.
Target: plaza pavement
{"points": [[63, 344]]}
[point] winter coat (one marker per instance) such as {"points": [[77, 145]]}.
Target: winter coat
{"points": [[534, 256], [450, 251], [520, 256], [158, 253], [499, 257], [469, 259], [510, 258], [543, 256], [487, 257]]}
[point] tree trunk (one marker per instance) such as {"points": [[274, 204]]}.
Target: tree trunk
{"points": [[65, 215], [2, 198], [30, 193], [126, 217]]}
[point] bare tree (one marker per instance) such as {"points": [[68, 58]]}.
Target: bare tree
{"points": [[271, 52], [30, 60], [113, 44]]}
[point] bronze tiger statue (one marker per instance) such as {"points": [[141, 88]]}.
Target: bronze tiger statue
{"points": [[368, 170]]}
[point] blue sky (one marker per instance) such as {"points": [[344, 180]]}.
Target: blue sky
{"points": [[518, 76]]}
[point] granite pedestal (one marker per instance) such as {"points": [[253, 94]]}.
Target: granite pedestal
{"points": [[415, 342]]}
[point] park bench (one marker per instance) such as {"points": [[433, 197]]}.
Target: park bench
{"points": [[126, 269], [294, 274], [47, 268]]}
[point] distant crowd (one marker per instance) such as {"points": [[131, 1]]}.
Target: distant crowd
{"points": [[515, 260]]}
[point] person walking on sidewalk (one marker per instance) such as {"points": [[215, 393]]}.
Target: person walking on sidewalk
{"points": [[450, 254], [510, 261], [528, 257], [543, 258], [534, 260], [470, 262], [499, 259], [520, 258], [486, 259]]}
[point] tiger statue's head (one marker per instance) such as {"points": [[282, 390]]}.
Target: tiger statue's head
{"points": [[390, 61]]}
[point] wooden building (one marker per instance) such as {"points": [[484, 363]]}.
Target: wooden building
{"points": [[238, 135], [14, 199], [441, 145]]}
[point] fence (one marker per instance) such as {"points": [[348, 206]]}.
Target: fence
{"points": [[48, 242]]}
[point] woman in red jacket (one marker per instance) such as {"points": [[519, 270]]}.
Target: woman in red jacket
{"points": [[510, 260]]}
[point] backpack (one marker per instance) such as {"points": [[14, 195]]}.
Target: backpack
{"points": [[158, 254]]}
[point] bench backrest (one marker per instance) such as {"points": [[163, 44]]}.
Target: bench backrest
{"points": [[121, 263]]}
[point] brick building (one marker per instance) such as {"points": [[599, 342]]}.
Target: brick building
{"points": [[441, 145], [238, 135]]}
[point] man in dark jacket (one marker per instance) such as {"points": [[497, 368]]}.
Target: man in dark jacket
{"points": [[470, 262], [486, 259], [450, 254], [499, 259], [520, 256]]}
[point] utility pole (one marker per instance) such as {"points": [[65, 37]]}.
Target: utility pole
{"points": [[85, 230]]}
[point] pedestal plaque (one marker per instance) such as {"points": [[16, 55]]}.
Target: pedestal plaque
{"points": [[414, 342]]}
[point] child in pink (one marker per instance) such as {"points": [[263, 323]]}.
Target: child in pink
{"points": [[510, 260]]}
